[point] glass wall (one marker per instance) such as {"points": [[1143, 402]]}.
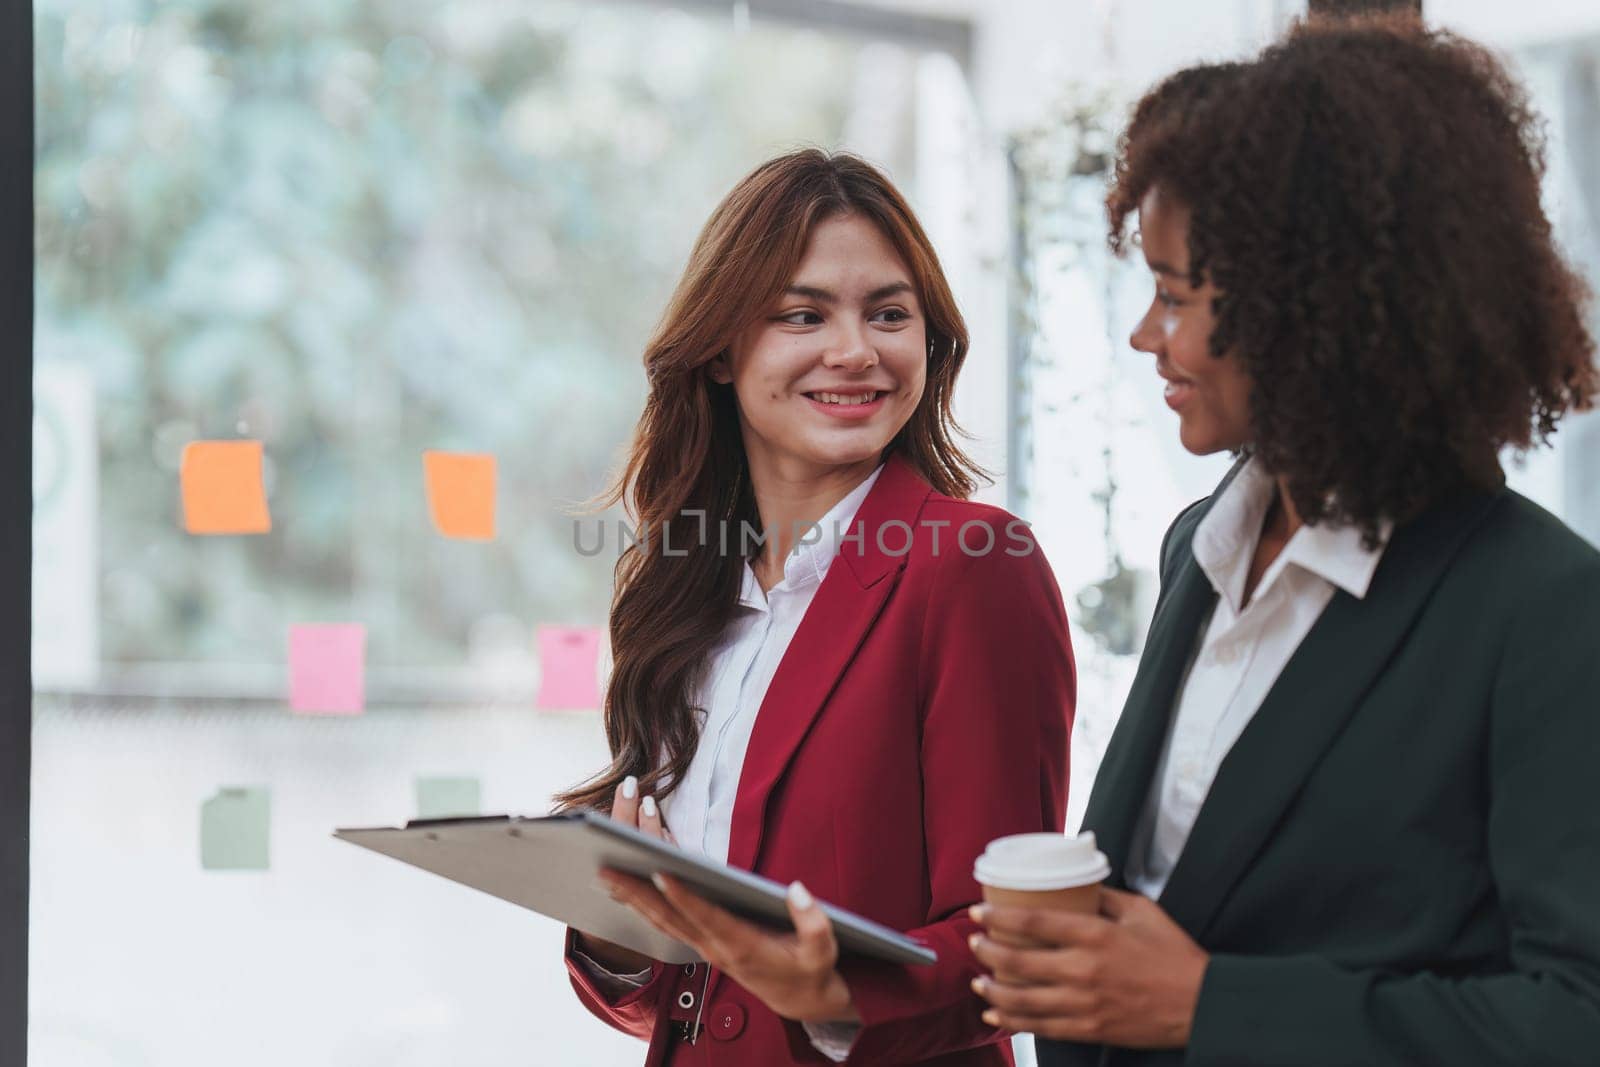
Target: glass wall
{"points": [[353, 233], [1564, 79]]}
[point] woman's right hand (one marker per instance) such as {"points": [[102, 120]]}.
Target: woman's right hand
{"points": [[643, 814]]}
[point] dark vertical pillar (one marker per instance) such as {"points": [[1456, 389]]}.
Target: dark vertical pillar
{"points": [[1337, 8], [16, 508]]}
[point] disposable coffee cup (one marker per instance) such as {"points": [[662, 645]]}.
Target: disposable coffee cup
{"points": [[1043, 871]]}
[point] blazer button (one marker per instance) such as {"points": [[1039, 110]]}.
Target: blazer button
{"points": [[727, 1022]]}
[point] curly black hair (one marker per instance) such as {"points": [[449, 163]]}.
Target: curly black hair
{"points": [[1365, 195]]}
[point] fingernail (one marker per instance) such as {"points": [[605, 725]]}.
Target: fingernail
{"points": [[630, 787], [659, 880], [979, 913], [972, 942], [800, 896], [991, 1017], [648, 806], [979, 984]]}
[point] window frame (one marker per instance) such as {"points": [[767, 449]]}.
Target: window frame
{"points": [[933, 32], [16, 538]]}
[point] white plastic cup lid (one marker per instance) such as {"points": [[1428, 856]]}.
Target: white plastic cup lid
{"points": [[1042, 862]]}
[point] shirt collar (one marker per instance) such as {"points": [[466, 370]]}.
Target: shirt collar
{"points": [[1226, 539], [1337, 555], [809, 560]]}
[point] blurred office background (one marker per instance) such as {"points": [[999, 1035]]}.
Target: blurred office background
{"points": [[359, 229]]}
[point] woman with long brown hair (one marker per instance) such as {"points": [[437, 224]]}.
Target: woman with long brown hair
{"points": [[830, 667]]}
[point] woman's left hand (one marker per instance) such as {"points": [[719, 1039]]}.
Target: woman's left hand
{"points": [[793, 974], [1129, 976]]}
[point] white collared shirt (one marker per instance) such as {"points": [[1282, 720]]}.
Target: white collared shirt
{"points": [[1244, 649], [699, 813], [738, 672]]}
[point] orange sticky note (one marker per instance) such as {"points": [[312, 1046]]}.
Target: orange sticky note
{"points": [[461, 493], [222, 488]]}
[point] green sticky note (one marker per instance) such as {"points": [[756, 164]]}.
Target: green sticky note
{"points": [[233, 830], [443, 798]]}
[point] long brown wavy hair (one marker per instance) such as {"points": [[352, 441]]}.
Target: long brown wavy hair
{"points": [[688, 454]]}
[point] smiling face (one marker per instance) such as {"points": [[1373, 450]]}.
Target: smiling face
{"points": [[1210, 394], [828, 375]]}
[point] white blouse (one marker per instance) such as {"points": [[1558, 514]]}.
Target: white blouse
{"points": [[1244, 649], [739, 670], [738, 673]]}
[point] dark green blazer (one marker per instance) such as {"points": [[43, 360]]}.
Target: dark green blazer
{"points": [[1399, 860]]}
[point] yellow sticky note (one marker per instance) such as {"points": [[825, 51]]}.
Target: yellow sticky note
{"points": [[461, 493], [222, 488]]}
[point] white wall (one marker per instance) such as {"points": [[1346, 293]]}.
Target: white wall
{"points": [[1512, 25], [1027, 48], [334, 957]]}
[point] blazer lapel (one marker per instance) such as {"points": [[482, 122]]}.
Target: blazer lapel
{"points": [[1134, 751], [1319, 689], [1123, 781], [846, 605]]}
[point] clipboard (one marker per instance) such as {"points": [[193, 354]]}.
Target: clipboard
{"points": [[551, 865]]}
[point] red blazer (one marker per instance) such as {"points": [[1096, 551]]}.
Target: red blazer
{"points": [[922, 710]]}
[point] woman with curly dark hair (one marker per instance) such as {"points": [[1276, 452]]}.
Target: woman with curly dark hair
{"points": [[1349, 803]]}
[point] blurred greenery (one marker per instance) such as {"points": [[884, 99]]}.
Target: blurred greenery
{"points": [[359, 230]]}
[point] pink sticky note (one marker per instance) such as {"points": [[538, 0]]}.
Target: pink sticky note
{"points": [[328, 668], [569, 659]]}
